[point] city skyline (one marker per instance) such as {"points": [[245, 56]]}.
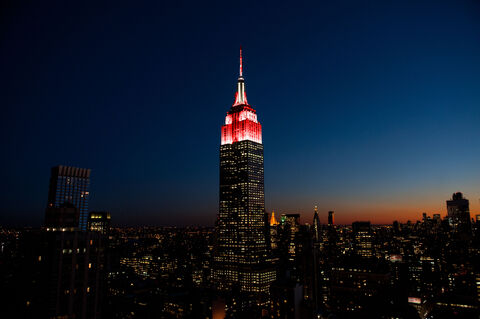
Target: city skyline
{"points": [[371, 128]]}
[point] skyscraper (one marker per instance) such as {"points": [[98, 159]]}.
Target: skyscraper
{"points": [[363, 239], [69, 186], [316, 225], [242, 253], [458, 214], [331, 218]]}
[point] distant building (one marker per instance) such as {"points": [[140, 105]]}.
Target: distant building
{"points": [[331, 218], [69, 186], [273, 220], [287, 299], [292, 220], [316, 225], [274, 235], [355, 285], [363, 239], [291, 227], [99, 221], [458, 214]]}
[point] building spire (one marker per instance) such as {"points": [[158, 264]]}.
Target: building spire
{"points": [[241, 95], [241, 64]]}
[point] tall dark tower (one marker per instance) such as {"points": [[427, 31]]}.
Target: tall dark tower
{"points": [[242, 253], [316, 225], [331, 218]]}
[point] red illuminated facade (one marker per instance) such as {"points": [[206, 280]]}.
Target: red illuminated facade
{"points": [[241, 121]]}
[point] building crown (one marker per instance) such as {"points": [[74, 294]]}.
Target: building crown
{"points": [[273, 221], [240, 95]]}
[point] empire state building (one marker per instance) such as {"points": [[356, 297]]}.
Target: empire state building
{"points": [[242, 253]]}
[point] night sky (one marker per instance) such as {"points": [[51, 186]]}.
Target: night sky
{"points": [[368, 108]]}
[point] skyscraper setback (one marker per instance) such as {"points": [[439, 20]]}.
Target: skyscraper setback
{"points": [[241, 257], [69, 186]]}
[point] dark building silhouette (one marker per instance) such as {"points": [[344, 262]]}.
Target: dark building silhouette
{"points": [[62, 274], [331, 218], [242, 253], [287, 298], [458, 214], [356, 285], [316, 225], [65, 216], [70, 186]]}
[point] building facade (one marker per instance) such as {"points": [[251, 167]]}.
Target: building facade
{"points": [[363, 239], [99, 221], [70, 186]]}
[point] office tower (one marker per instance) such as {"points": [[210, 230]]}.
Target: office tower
{"points": [[316, 225], [242, 253], [363, 239], [331, 218], [396, 227], [316, 245], [99, 221], [291, 228], [458, 214], [69, 186]]}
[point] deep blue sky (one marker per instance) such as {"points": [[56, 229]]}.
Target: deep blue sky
{"points": [[369, 108]]}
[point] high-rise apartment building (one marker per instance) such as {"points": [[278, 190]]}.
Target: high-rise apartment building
{"points": [[242, 253], [69, 186]]}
